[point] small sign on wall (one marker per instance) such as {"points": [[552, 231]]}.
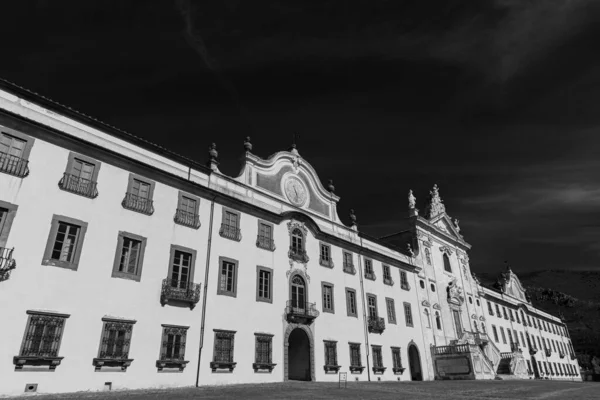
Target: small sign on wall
{"points": [[343, 378]]}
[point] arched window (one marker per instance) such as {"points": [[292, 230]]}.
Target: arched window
{"points": [[447, 266], [470, 300], [298, 292], [297, 245], [427, 320], [432, 287], [428, 256], [483, 327], [422, 283], [477, 302], [438, 320]]}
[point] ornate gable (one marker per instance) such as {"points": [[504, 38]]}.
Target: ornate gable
{"points": [[287, 176], [435, 214], [508, 283]]}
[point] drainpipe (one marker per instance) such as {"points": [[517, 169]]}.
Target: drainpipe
{"points": [[208, 246], [362, 296]]}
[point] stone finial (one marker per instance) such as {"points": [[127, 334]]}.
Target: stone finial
{"points": [[330, 186], [410, 250], [212, 155], [435, 206], [352, 218], [456, 225], [247, 144], [293, 149], [412, 202]]}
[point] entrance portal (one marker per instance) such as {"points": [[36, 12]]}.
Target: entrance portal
{"points": [[414, 361], [299, 356]]}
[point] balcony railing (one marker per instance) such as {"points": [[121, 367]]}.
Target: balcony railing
{"points": [[349, 268], [180, 291], [7, 263], [265, 243], [301, 312], [326, 263], [514, 347], [452, 349], [376, 324], [78, 185], [388, 281], [136, 203], [187, 218], [13, 165], [370, 275], [230, 232], [298, 255]]}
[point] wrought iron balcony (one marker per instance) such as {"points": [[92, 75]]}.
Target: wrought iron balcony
{"points": [[134, 202], [370, 275], [326, 263], [78, 185], [388, 281], [298, 255], [7, 263], [180, 291], [230, 232], [548, 352], [13, 165], [514, 347], [187, 218], [376, 324], [301, 312], [265, 243], [349, 268]]}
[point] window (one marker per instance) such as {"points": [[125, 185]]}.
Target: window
{"points": [[327, 289], [187, 213], [422, 283], [223, 351], [540, 343], [81, 176], [408, 314], [505, 313], [230, 225], [438, 320], [129, 256], [523, 340], [510, 338], [351, 302], [503, 335], [495, 332], [179, 284], [264, 239], [433, 287], [387, 275], [397, 360], [264, 284], [554, 345], [65, 242], [377, 359], [41, 342], [404, 281], [227, 284], [391, 310], [325, 256], [477, 300], [447, 266], [331, 356], [355, 358], [263, 355], [512, 317], [428, 256], [298, 246], [8, 212], [348, 263], [114, 344], [470, 300], [369, 273], [517, 316], [140, 192], [490, 311], [427, 319], [172, 351], [14, 152], [372, 305], [498, 313]]}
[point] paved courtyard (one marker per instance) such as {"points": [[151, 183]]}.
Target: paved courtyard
{"points": [[441, 390]]}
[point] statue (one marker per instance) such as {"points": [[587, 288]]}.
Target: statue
{"points": [[436, 205], [412, 201], [456, 225], [410, 250]]}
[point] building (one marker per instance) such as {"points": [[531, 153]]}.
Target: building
{"points": [[127, 266]]}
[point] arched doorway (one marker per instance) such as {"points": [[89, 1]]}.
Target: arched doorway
{"points": [[414, 361], [298, 353]]}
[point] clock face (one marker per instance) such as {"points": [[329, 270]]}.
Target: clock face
{"points": [[295, 191]]}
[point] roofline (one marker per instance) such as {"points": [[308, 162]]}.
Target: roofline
{"points": [[90, 121]]}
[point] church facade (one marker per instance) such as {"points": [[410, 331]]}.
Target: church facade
{"points": [[125, 266]]}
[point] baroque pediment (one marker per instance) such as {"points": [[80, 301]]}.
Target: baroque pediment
{"points": [[444, 224], [508, 283]]}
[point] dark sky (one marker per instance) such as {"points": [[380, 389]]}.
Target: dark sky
{"points": [[496, 101]]}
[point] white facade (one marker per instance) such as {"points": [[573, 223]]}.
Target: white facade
{"points": [[128, 282]]}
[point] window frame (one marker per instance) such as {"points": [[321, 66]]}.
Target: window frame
{"points": [[260, 243], [495, 333], [174, 248], [29, 142], [447, 263], [406, 315], [355, 367], [23, 359], [438, 320], [374, 297], [332, 308], [131, 179], [330, 344], [355, 304], [259, 269], [261, 364], [387, 280], [235, 263], [171, 362], [503, 335], [114, 361], [69, 170], [390, 306], [223, 364], [54, 224], [369, 275], [323, 262], [379, 367], [6, 225], [348, 267], [397, 363], [196, 224], [404, 285], [117, 261], [238, 230]]}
